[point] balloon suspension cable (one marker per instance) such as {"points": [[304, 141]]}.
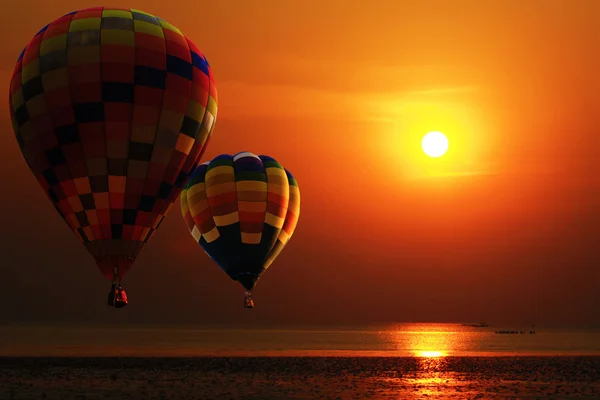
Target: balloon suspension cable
{"points": [[116, 278]]}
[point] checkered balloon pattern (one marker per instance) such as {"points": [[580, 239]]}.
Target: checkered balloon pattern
{"points": [[112, 110], [242, 210]]}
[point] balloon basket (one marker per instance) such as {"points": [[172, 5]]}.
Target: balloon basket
{"points": [[117, 297], [248, 302]]}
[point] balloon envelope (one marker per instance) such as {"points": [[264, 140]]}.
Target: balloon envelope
{"points": [[242, 210], [112, 110]]}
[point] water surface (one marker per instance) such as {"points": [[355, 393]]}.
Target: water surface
{"points": [[425, 340]]}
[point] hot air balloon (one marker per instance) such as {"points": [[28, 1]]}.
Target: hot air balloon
{"points": [[112, 109], [242, 210]]}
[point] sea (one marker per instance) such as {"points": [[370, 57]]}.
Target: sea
{"points": [[403, 339], [397, 361]]}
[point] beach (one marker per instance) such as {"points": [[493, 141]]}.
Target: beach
{"points": [[544, 377]]}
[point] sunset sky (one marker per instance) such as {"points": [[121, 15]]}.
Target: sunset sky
{"points": [[504, 228]]}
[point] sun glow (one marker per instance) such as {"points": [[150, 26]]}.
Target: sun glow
{"points": [[435, 144], [459, 125]]}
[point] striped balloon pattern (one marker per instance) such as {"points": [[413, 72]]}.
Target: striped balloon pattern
{"points": [[243, 210], [112, 109]]}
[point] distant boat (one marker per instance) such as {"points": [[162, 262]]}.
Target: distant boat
{"points": [[515, 332], [479, 325]]}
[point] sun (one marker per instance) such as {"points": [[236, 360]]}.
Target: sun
{"points": [[435, 144]]}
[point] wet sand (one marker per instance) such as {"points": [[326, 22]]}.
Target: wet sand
{"points": [[300, 378]]}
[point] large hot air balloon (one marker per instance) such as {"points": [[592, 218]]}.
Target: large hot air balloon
{"points": [[242, 210], [112, 109]]}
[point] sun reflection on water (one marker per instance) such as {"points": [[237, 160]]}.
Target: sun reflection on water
{"points": [[427, 340], [429, 353], [430, 344]]}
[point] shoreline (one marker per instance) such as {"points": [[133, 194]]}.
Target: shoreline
{"points": [[275, 357]]}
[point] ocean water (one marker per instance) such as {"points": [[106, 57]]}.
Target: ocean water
{"points": [[421, 340]]}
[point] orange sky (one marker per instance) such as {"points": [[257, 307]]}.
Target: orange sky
{"points": [[505, 227]]}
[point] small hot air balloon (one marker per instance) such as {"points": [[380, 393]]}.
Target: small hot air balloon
{"points": [[242, 210], [112, 109]]}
